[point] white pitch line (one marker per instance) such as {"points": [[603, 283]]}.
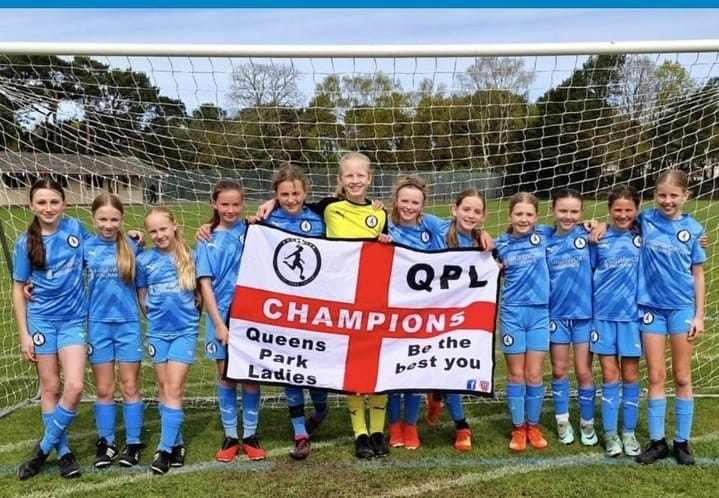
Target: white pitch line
{"points": [[123, 480], [709, 437], [431, 487]]}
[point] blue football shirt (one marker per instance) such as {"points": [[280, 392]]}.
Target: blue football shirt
{"points": [[615, 260], [526, 274], [570, 275], [426, 235], [669, 249], [58, 289], [110, 299], [219, 259], [169, 308], [307, 222]]}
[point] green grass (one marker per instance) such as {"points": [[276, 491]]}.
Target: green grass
{"points": [[489, 470], [332, 470]]}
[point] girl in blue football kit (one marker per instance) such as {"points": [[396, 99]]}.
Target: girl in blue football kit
{"points": [[290, 185], [409, 226], [114, 333], [52, 324], [166, 289], [218, 262], [615, 328], [570, 315], [468, 213], [524, 317], [671, 301]]}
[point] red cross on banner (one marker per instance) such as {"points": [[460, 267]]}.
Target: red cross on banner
{"points": [[360, 316], [372, 288]]}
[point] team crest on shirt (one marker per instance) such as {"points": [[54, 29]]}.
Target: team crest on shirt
{"points": [[73, 241], [305, 226], [507, 340], [211, 347], [580, 243], [151, 350], [296, 262], [637, 241], [684, 236], [371, 221], [648, 318], [38, 339], [424, 237], [535, 239]]}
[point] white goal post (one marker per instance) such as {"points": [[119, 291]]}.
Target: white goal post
{"points": [[163, 123]]}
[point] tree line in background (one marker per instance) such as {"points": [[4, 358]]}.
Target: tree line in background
{"points": [[617, 118]]}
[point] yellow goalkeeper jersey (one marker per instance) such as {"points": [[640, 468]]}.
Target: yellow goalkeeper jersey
{"points": [[347, 220]]}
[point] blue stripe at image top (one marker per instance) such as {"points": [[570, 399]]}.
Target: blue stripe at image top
{"points": [[416, 4]]}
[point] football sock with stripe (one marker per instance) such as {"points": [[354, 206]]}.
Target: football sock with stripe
{"points": [[133, 413], [227, 400], [533, 399], [586, 397], [355, 407], [515, 402], [656, 410], [250, 413], [61, 420], [610, 407], [560, 396], [377, 412], [105, 420], [684, 414], [630, 406]]}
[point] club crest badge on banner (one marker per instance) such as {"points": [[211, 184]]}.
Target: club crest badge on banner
{"points": [[359, 316]]}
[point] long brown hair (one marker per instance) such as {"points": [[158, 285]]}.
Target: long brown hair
{"points": [[222, 186], [409, 181], [451, 237], [35, 245], [125, 256]]}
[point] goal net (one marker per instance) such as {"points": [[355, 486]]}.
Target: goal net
{"points": [[161, 124]]}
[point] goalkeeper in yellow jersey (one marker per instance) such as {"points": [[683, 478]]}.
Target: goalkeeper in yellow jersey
{"points": [[349, 214]]}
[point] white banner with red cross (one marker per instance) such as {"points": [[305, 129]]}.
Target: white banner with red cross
{"points": [[360, 316]]}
